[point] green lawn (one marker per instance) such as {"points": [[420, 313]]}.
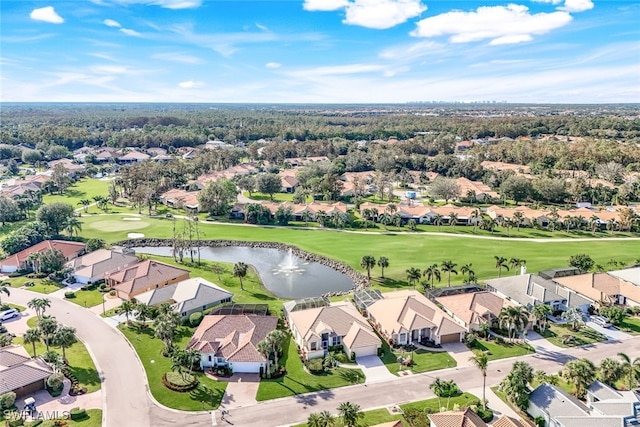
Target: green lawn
{"points": [[501, 351], [433, 405], [423, 360], [371, 418], [80, 362], [584, 336], [630, 325], [149, 350], [94, 419], [87, 298], [86, 188], [16, 306], [298, 381], [403, 250]]}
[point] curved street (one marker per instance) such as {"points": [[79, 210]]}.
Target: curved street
{"points": [[128, 403]]}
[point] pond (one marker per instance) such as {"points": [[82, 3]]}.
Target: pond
{"points": [[282, 273]]}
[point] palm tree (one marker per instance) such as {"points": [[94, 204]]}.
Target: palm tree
{"points": [[540, 313], [481, 361], [32, 336], [326, 419], [143, 313], [466, 269], [190, 358], [436, 388], [265, 349], [514, 319], [127, 308], [165, 326], [437, 220], [65, 336], [432, 273], [501, 262], [574, 316], [518, 217], [73, 226], [48, 327], [4, 288], [383, 262], [453, 218], [368, 262], [449, 267], [85, 204], [306, 217], [630, 366], [610, 371], [350, 414], [240, 271], [475, 216], [276, 339], [514, 262], [40, 305], [313, 420], [580, 372], [413, 275], [449, 388]]}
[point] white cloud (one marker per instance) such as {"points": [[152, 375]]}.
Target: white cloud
{"points": [[376, 14], [413, 51], [46, 14], [337, 70], [500, 24], [109, 69], [324, 5], [262, 27], [190, 84], [130, 32], [548, 1], [111, 23], [178, 57], [167, 4], [576, 5], [273, 65]]}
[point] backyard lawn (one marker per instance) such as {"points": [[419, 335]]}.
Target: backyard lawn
{"points": [[80, 362], [149, 350], [404, 250], [298, 381], [496, 350], [423, 360], [555, 333]]}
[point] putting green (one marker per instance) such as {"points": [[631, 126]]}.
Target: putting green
{"points": [[110, 225]]}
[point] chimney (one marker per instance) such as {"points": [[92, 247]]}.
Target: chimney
{"points": [[523, 270]]}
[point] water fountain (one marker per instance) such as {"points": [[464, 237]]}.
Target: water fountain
{"points": [[289, 265]]}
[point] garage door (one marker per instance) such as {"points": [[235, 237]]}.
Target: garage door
{"points": [[370, 350], [246, 367], [449, 338]]}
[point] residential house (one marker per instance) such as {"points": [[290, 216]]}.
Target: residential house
{"points": [[133, 157], [98, 264], [72, 168], [288, 180], [605, 407], [232, 340], [506, 421], [21, 261], [181, 199], [187, 296], [603, 287], [481, 191], [317, 329], [458, 418], [472, 309], [529, 289], [20, 373], [405, 317], [630, 275], [144, 276]]}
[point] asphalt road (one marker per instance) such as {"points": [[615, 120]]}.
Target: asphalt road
{"points": [[128, 403]]}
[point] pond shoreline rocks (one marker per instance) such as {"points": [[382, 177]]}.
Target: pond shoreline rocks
{"points": [[360, 281]]}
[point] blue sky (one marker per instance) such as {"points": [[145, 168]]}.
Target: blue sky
{"points": [[320, 51]]}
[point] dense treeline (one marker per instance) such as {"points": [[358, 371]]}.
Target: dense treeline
{"points": [[158, 125]]}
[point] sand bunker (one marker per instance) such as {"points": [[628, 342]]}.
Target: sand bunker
{"points": [[130, 219], [135, 235]]}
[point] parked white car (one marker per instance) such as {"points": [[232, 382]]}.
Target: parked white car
{"points": [[9, 314], [601, 321]]}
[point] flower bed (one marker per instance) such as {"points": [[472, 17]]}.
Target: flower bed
{"points": [[179, 382]]}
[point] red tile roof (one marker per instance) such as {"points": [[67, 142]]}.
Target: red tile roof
{"points": [[69, 250]]}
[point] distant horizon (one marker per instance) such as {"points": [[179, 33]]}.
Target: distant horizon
{"points": [[418, 103], [574, 52]]}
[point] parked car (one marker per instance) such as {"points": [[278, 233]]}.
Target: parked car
{"points": [[601, 321], [9, 314]]}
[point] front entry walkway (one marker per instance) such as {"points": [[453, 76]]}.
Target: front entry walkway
{"points": [[241, 390], [460, 353], [374, 370]]}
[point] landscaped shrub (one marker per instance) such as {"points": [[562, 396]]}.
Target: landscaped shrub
{"points": [[485, 414], [69, 295], [470, 339], [50, 356], [195, 318], [315, 366], [336, 348], [179, 382], [14, 419], [34, 423], [540, 421], [341, 357], [55, 383], [112, 293], [78, 414], [7, 400], [416, 418]]}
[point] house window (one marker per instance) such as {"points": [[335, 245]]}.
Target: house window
{"points": [[336, 340], [313, 346], [209, 358], [183, 314], [402, 339]]}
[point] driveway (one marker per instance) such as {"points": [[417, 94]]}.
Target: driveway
{"points": [[460, 352], [241, 390], [374, 370], [611, 333]]}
